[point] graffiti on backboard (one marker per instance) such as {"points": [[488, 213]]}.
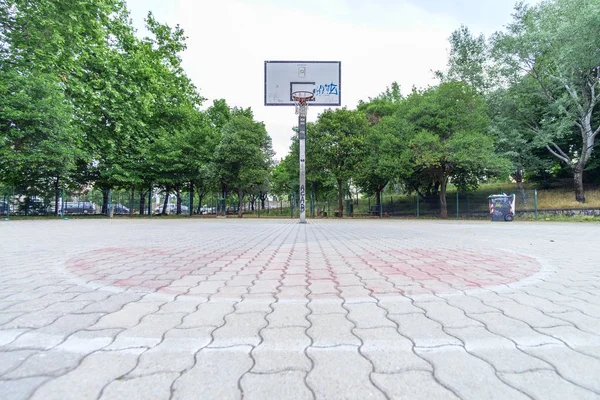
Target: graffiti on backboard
{"points": [[328, 88]]}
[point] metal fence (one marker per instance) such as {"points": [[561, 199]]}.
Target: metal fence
{"points": [[65, 203]]}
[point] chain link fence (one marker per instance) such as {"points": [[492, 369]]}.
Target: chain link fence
{"points": [[15, 202]]}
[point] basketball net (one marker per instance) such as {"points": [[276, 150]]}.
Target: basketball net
{"points": [[301, 100]]}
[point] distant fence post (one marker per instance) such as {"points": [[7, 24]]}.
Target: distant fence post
{"points": [[535, 203], [62, 204]]}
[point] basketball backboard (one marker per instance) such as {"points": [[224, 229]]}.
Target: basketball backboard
{"points": [[322, 78]]}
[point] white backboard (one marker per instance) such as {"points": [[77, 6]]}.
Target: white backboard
{"points": [[323, 78]]}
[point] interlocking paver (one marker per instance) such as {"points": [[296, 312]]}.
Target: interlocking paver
{"points": [[423, 331], [497, 350], [285, 385], [282, 349], [331, 330], [273, 309], [389, 351], [410, 385], [21, 389], [548, 385], [368, 315], [578, 368], [455, 368], [90, 377], [239, 329], [154, 387], [215, 374], [342, 371]]}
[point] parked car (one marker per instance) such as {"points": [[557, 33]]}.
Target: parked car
{"points": [[5, 207], [171, 209], [120, 209], [31, 206], [80, 207]]}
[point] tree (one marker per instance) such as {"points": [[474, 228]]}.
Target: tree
{"points": [[556, 44], [386, 143], [36, 133], [449, 123], [243, 156], [340, 136]]}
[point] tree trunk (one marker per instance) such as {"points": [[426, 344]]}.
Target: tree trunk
{"points": [[578, 180], [131, 200], [56, 196], [340, 212], [240, 202], [178, 195], [191, 208], [105, 202], [443, 204], [166, 202], [142, 202]]}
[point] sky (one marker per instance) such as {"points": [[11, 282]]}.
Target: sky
{"points": [[377, 41]]}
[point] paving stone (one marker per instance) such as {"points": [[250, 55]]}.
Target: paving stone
{"points": [[288, 314], [529, 315], [469, 304], [88, 380], [411, 385], [580, 320], [326, 305], [10, 360], [46, 363], [239, 329], [454, 367], [341, 372], [502, 353], [279, 385], [21, 389], [157, 386], [128, 317], [175, 353], [584, 342], [543, 384], [389, 351], [578, 368], [515, 330], [215, 374], [208, 314], [423, 331], [281, 349], [331, 330], [368, 315]]}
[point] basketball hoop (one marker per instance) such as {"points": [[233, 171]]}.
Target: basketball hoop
{"points": [[301, 99]]}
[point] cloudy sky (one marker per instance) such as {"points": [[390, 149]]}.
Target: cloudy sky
{"points": [[377, 41]]}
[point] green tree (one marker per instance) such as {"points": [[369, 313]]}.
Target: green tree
{"points": [[37, 138], [556, 44], [449, 123], [242, 157], [340, 136]]}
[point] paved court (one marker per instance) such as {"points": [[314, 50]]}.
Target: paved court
{"points": [[271, 309]]}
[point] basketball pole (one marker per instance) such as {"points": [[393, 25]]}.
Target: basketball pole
{"points": [[302, 145]]}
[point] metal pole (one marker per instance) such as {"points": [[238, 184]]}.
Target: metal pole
{"points": [[190, 203], [302, 143], [535, 203]]}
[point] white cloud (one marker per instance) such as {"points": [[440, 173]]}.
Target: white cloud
{"points": [[229, 40]]}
